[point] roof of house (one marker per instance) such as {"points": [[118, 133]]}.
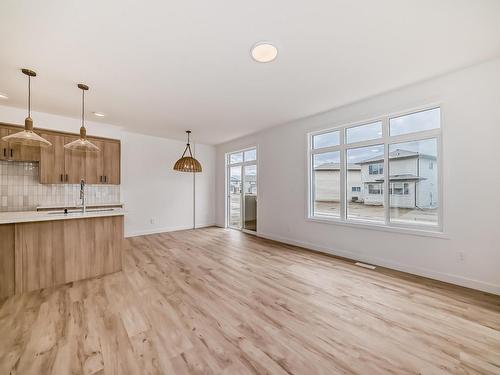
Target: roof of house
{"points": [[402, 177], [248, 178], [397, 154], [336, 167]]}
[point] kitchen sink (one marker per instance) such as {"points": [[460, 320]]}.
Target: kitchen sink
{"points": [[80, 211]]}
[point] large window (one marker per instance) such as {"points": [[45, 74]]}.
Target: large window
{"points": [[385, 172]]}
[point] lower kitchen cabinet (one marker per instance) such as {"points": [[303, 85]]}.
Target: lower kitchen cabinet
{"points": [[48, 253]]}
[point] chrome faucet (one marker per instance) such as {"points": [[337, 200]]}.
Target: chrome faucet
{"points": [[82, 196]]}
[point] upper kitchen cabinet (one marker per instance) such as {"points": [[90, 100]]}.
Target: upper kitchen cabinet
{"points": [[16, 152], [111, 157], [94, 164], [74, 163], [103, 167], [59, 165], [52, 169], [4, 146]]}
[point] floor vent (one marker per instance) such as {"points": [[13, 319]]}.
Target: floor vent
{"points": [[364, 265]]}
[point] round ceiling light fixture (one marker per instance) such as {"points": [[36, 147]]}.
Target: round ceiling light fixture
{"points": [[264, 52]]}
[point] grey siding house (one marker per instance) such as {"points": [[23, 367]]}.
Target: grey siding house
{"points": [[412, 180]]}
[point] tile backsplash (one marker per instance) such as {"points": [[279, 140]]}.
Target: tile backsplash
{"points": [[20, 189]]}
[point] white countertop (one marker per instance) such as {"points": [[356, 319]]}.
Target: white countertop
{"points": [[30, 216], [62, 206]]}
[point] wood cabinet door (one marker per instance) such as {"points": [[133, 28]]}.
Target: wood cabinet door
{"points": [[94, 167], [52, 160], [20, 152], [4, 146], [74, 164], [112, 163]]}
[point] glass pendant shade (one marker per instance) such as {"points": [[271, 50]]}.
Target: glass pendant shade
{"points": [[187, 163], [82, 143], [27, 137]]}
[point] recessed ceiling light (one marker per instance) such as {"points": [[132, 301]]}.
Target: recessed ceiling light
{"points": [[264, 52], [99, 114], [3, 96]]}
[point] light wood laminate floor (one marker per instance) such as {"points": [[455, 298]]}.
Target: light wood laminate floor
{"points": [[216, 301]]}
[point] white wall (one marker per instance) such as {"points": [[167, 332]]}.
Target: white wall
{"points": [[470, 101], [156, 198]]}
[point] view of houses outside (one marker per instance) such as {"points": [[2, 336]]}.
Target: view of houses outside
{"points": [[413, 187]]}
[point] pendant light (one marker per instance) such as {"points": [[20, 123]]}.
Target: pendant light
{"points": [[187, 163], [27, 137], [82, 143]]}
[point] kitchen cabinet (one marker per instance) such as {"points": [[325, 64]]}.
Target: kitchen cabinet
{"points": [[44, 254], [94, 164], [74, 163], [103, 167], [52, 169], [111, 156], [7, 271], [4, 146], [59, 165], [20, 152], [16, 152]]}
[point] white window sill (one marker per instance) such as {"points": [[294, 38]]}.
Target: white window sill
{"points": [[420, 231]]}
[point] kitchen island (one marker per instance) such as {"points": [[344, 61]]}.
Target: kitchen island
{"points": [[44, 249]]}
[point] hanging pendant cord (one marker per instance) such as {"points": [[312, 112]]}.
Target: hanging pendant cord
{"points": [[83, 107], [29, 96], [188, 147]]}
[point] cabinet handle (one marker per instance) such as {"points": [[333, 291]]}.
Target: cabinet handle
{"points": [[106, 179], [4, 152], [11, 153], [101, 178], [66, 178], [61, 177]]}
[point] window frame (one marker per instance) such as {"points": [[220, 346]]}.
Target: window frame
{"points": [[386, 140]]}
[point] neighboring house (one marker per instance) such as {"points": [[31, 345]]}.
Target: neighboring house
{"points": [[327, 182], [412, 180], [250, 185]]}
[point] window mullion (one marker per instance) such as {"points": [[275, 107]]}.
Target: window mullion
{"points": [[387, 196], [343, 177]]}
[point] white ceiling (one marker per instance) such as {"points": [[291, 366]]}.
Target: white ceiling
{"points": [[159, 67]]}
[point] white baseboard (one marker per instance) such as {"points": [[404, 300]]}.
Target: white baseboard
{"points": [[441, 276], [164, 230]]}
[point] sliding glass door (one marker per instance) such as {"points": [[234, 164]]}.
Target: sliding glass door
{"points": [[242, 190]]}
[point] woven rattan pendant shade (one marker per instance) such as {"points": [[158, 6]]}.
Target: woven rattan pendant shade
{"points": [[187, 163]]}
